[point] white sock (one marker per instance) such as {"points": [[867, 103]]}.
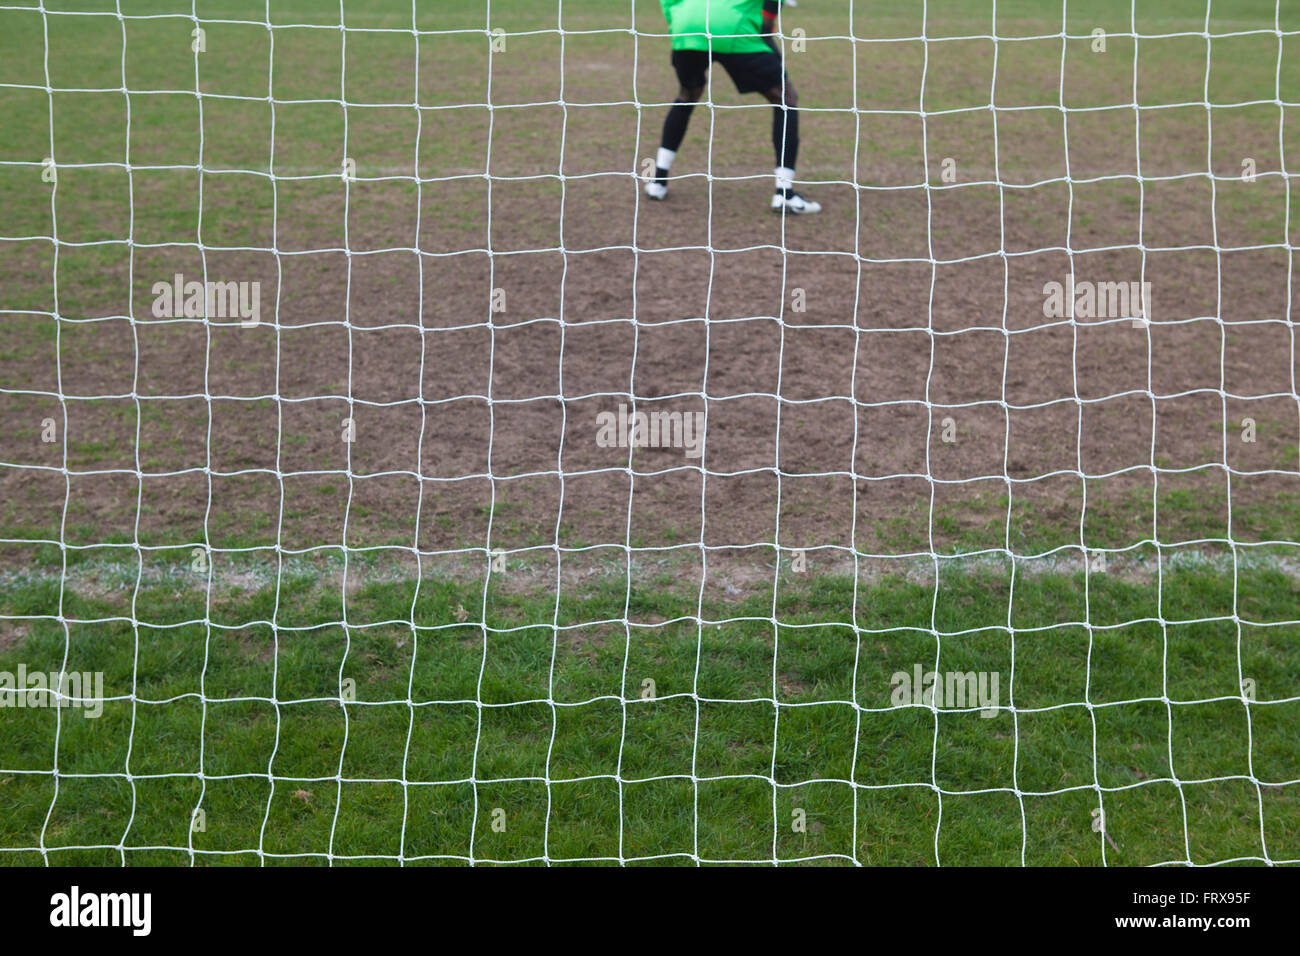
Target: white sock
{"points": [[784, 178], [665, 157]]}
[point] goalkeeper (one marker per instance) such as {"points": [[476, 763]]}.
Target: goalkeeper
{"points": [[737, 34]]}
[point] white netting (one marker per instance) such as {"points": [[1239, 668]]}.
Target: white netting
{"points": [[862, 559]]}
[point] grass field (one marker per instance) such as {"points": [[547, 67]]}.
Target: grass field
{"points": [[473, 634]]}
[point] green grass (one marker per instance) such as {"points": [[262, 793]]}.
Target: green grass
{"points": [[759, 708]]}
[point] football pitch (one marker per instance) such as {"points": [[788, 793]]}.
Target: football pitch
{"points": [[363, 562]]}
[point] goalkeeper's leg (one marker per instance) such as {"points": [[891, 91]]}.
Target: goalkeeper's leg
{"points": [[679, 117], [785, 143], [692, 68]]}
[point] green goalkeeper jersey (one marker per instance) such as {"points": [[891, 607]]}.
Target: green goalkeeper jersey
{"points": [[732, 26]]}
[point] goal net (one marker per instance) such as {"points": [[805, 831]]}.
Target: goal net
{"points": [[388, 476]]}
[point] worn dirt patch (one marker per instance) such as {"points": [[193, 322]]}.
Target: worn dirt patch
{"points": [[862, 372]]}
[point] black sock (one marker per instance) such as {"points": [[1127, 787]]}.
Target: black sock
{"points": [[785, 135], [679, 116], [661, 176]]}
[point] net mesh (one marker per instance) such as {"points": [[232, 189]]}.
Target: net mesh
{"points": [[1227, 553]]}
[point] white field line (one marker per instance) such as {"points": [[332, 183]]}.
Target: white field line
{"points": [[534, 570]]}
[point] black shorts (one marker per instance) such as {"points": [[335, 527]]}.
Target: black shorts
{"points": [[751, 72]]}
